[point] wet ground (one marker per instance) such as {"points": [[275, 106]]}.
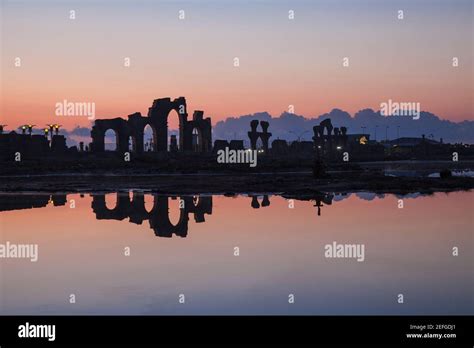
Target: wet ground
{"points": [[291, 184]]}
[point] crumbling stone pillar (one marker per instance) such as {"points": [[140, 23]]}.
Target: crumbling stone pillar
{"points": [[265, 135], [98, 136], [253, 134]]}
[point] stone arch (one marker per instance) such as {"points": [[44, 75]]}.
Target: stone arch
{"points": [[115, 140], [119, 212], [111, 200], [148, 202], [174, 210], [149, 140], [138, 212], [204, 130], [160, 222], [118, 125], [159, 113], [171, 133]]}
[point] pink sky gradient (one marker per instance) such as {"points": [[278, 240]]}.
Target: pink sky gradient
{"points": [[282, 62]]}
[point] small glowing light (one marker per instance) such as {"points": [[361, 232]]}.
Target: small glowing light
{"points": [[339, 147]]}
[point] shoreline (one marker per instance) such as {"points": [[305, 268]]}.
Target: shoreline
{"points": [[293, 184]]}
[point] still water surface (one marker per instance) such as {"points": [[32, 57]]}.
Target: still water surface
{"points": [[187, 245]]}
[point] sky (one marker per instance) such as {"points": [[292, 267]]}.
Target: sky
{"points": [[282, 61]]}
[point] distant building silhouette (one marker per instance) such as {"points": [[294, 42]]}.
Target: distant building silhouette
{"points": [[29, 201], [31, 145]]}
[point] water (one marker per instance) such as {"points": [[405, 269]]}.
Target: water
{"points": [[191, 251], [463, 173], [427, 173]]}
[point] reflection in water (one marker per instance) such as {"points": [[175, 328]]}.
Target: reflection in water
{"points": [[256, 204], [158, 216], [282, 244], [132, 206], [29, 201], [323, 198]]}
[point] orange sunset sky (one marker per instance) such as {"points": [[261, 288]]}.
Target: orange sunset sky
{"points": [[282, 61]]}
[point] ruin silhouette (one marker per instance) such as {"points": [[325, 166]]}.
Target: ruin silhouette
{"points": [[132, 130], [326, 141], [254, 135], [193, 149]]}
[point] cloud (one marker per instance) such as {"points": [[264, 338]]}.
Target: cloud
{"points": [[290, 126], [80, 131]]}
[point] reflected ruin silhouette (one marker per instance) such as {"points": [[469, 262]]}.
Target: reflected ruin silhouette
{"points": [[256, 204], [325, 198], [9, 202], [158, 217], [132, 205]]}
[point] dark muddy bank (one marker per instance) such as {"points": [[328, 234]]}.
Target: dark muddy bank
{"points": [[297, 184]]}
